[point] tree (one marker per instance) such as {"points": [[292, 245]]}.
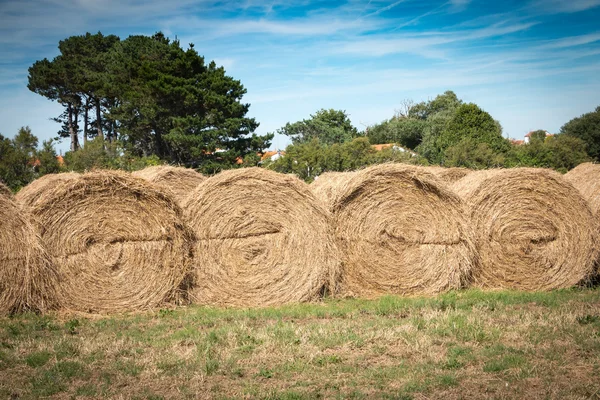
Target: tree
{"points": [[173, 105], [54, 80], [448, 101], [561, 152], [587, 128], [470, 121], [47, 159], [405, 131], [329, 126], [473, 154], [154, 96], [309, 160]]}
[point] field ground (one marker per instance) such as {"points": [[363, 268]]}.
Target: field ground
{"points": [[467, 344]]}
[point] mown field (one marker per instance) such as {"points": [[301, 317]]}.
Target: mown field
{"points": [[467, 344]]}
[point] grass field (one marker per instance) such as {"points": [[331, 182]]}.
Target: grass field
{"points": [[467, 344]]}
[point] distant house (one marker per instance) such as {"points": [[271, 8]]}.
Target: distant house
{"points": [[528, 135], [395, 147], [519, 142], [273, 155]]}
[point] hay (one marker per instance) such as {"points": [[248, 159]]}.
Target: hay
{"points": [[586, 178], [328, 184], [400, 230], [534, 231], [30, 194], [28, 280], [179, 181], [119, 243], [4, 190], [263, 239], [449, 175]]}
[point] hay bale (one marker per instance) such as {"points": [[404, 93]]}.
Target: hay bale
{"points": [[328, 184], [4, 190], [533, 230], [586, 178], [400, 230], [118, 242], [28, 279], [449, 175], [262, 239], [179, 181], [30, 194]]}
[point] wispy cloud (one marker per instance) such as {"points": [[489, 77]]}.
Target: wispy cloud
{"points": [[562, 6]]}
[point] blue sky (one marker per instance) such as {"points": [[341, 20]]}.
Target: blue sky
{"points": [[531, 64]]}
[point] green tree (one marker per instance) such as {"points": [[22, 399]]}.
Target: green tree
{"points": [[405, 131], [175, 106], [471, 153], [587, 128], [560, 152], [329, 126], [470, 121], [47, 158]]}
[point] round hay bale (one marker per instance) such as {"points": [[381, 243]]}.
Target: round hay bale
{"points": [[533, 230], [449, 175], [4, 190], [328, 184], [400, 230], [179, 181], [31, 193], [28, 279], [586, 178], [119, 243], [262, 239]]}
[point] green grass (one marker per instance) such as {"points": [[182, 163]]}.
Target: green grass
{"points": [[494, 345]]}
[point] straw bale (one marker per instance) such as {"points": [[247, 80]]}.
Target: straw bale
{"points": [[534, 231], [586, 178], [28, 279], [328, 184], [30, 194], [400, 230], [178, 180], [262, 239], [449, 175], [119, 243]]}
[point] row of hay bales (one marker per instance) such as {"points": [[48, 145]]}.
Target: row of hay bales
{"points": [[109, 241]]}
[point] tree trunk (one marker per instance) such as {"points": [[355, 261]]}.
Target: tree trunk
{"points": [[72, 131], [85, 121], [98, 120]]}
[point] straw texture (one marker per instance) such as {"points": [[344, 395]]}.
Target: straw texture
{"points": [[119, 243], [30, 194], [534, 230], [400, 230], [449, 175], [586, 178], [178, 180], [263, 239], [28, 280]]}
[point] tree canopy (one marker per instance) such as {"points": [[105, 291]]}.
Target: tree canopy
{"points": [[329, 126], [587, 128], [153, 96]]}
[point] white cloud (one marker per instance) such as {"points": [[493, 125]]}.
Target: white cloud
{"points": [[562, 6]]}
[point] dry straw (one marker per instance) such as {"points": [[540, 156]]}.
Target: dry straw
{"points": [[534, 231], [28, 280], [328, 184], [118, 242], [31, 193], [400, 230], [586, 178], [180, 181], [449, 175], [263, 239]]}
